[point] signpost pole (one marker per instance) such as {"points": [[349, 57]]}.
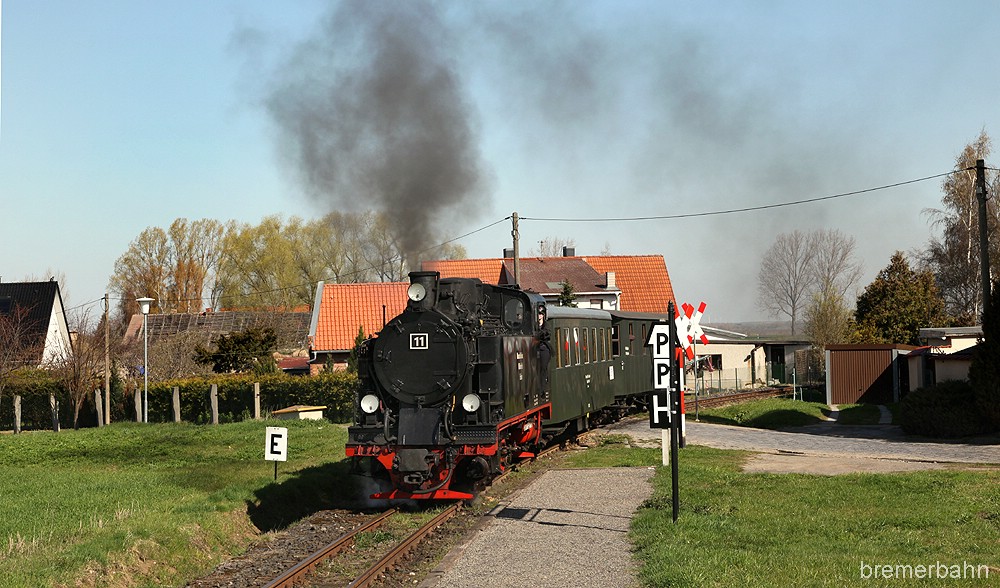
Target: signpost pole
{"points": [[675, 410]]}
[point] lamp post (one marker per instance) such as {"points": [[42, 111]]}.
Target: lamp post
{"points": [[144, 309]]}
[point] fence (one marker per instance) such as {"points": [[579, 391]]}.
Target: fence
{"points": [[199, 400]]}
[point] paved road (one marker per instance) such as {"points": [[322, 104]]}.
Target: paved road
{"points": [[878, 441]]}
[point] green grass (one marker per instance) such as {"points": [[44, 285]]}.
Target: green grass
{"points": [[153, 504], [778, 413], [752, 529], [769, 413], [740, 529]]}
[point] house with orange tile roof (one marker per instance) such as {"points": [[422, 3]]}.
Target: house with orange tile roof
{"points": [[341, 309], [641, 280]]}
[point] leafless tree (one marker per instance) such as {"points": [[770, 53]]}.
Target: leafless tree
{"points": [[787, 275], [551, 247], [834, 265], [20, 343]]}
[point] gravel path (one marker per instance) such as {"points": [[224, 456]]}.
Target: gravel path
{"points": [[568, 529]]}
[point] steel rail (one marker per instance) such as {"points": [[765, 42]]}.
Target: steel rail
{"points": [[714, 401], [388, 562], [297, 572]]}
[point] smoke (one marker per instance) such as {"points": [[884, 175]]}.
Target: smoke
{"points": [[371, 114]]}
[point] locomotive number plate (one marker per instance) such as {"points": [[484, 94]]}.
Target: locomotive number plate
{"points": [[419, 340]]}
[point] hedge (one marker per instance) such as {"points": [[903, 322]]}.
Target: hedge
{"points": [[946, 410], [335, 390]]}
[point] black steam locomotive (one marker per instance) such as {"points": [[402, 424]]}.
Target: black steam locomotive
{"points": [[472, 377]]}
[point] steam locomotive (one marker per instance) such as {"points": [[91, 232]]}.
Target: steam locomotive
{"points": [[472, 377]]}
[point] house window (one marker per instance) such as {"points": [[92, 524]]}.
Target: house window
{"points": [[596, 303], [5, 304]]}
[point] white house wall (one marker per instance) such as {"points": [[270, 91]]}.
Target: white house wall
{"points": [[57, 340]]}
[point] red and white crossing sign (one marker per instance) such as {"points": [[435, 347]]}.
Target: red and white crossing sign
{"points": [[689, 327]]}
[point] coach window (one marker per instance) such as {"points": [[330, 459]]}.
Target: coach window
{"points": [[559, 347], [616, 347], [576, 346], [585, 352], [607, 344], [594, 356], [631, 340], [642, 343], [602, 351]]}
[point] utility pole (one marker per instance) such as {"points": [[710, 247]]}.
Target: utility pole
{"points": [[984, 241], [517, 252], [107, 364]]}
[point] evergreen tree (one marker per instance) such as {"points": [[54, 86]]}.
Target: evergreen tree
{"points": [[900, 302], [246, 351], [352, 359], [984, 373], [566, 296]]}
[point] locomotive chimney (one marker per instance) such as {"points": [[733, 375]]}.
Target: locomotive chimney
{"points": [[423, 290]]}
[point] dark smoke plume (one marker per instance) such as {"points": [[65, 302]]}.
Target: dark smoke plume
{"points": [[372, 115]]}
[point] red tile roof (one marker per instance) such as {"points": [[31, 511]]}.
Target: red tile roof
{"points": [[487, 270], [344, 307], [643, 279]]}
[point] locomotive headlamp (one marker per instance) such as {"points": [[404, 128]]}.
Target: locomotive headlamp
{"points": [[369, 403], [416, 292], [471, 402]]}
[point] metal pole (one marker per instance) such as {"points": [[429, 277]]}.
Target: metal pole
{"points": [[675, 409], [517, 251], [145, 371], [984, 242]]}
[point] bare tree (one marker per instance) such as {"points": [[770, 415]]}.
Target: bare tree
{"points": [[787, 275], [551, 247], [954, 256], [20, 343], [834, 265]]}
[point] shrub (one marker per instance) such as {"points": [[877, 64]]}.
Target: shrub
{"points": [[335, 390], [946, 410]]}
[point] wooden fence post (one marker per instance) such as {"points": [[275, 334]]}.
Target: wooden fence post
{"points": [[215, 404], [17, 413], [256, 401], [138, 405], [100, 407], [177, 405], [54, 406]]}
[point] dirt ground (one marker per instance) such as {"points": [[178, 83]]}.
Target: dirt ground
{"points": [[794, 463]]}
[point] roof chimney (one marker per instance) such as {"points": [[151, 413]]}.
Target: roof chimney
{"points": [[609, 280], [508, 253], [569, 251]]}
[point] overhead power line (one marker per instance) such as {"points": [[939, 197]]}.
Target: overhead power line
{"points": [[737, 210]]}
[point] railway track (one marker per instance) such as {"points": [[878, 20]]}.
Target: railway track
{"points": [[724, 399]]}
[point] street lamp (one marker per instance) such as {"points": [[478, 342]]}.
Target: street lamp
{"points": [[144, 309]]}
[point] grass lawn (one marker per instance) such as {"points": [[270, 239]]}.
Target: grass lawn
{"points": [[152, 505], [743, 529]]}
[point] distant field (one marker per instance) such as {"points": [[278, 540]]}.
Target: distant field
{"points": [[152, 505], [742, 529]]}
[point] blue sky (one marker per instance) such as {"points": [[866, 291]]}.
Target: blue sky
{"points": [[119, 115]]}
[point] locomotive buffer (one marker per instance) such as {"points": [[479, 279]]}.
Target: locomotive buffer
{"points": [[665, 405]]}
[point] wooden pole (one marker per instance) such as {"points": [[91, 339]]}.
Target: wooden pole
{"points": [[177, 405], [214, 398], [256, 401], [17, 413]]}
